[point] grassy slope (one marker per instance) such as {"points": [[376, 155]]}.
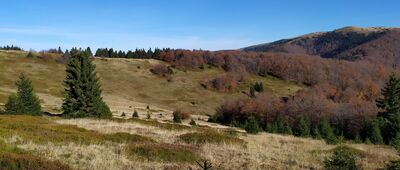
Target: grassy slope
{"points": [[126, 86], [123, 144]]}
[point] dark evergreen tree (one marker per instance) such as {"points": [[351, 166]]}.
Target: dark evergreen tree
{"points": [[177, 117], [371, 130], [342, 159], [11, 107], [59, 51], [29, 55], [303, 127], [192, 122], [25, 101], [89, 51], [390, 104], [252, 92], [396, 143], [82, 88], [28, 102], [135, 114], [252, 125], [259, 87], [326, 131]]}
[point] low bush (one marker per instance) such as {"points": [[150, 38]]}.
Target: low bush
{"points": [[343, 157]]}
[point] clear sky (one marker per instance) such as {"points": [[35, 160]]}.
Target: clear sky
{"points": [[189, 24]]}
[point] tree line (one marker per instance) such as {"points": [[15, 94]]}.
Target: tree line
{"points": [[12, 47]]}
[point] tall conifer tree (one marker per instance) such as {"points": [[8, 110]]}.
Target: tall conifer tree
{"points": [[82, 88], [390, 104]]}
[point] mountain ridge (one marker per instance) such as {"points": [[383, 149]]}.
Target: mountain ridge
{"points": [[375, 44]]}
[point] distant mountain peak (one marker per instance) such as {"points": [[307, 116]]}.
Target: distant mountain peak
{"points": [[376, 44]]}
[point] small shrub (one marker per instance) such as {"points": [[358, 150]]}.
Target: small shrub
{"points": [[177, 117], [123, 114], [160, 69], [342, 158], [30, 55], [148, 115], [192, 122], [135, 114]]}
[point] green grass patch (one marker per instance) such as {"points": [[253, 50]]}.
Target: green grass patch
{"points": [[12, 158], [165, 152], [210, 136], [40, 129]]}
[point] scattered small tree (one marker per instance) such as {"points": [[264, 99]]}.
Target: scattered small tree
{"points": [[177, 117], [11, 107], [252, 92], [135, 114], [252, 125], [192, 122], [25, 101], [259, 87], [372, 130], [342, 159], [123, 114], [303, 127], [326, 131], [29, 55]]}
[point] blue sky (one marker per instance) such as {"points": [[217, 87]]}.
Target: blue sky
{"points": [[189, 24]]}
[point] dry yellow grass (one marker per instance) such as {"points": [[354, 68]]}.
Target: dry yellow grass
{"points": [[127, 85], [262, 151]]}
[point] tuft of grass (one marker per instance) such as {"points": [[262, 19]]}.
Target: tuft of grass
{"points": [[42, 130], [165, 152], [200, 138], [13, 158]]}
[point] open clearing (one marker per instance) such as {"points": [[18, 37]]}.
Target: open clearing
{"points": [[142, 144], [128, 84]]}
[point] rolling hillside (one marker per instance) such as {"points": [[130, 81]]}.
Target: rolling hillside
{"points": [[128, 84], [374, 44]]}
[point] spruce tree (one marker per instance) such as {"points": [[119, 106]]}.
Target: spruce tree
{"points": [[303, 127], [252, 92], [27, 101], [135, 114], [82, 88], [11, 107], [326, 131], [371, 130], [89, 51], [390, 104], [252, 125]]}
